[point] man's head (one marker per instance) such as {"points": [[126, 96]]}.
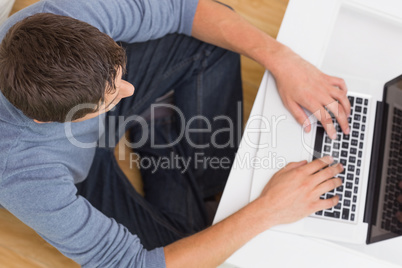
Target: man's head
{"points": [[49, 64]]}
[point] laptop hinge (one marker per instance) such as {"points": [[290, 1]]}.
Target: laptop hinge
{"points": [[376, 161]]}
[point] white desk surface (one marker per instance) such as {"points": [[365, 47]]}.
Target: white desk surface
{"points": [[306, 28]]}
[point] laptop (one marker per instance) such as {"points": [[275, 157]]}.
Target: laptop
{"points": [[381, 205], [371, 155], [366, 212]]}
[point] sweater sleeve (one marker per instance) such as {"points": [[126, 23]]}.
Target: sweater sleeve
{"points": [[45, 199]]}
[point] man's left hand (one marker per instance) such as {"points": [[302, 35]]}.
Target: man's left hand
{"points": [[300, 84]]}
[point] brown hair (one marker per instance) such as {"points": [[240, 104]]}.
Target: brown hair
{"points": [[51, 63]]}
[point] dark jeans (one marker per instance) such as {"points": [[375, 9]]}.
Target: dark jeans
{"points": [[195, 142]]}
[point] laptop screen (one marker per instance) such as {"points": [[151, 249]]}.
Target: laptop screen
{"points": [[386, 223]]}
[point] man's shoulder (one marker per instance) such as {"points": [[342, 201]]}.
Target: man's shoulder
{"points": [[124, 20]]}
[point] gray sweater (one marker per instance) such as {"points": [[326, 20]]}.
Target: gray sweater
{"points": [[39, 164]]}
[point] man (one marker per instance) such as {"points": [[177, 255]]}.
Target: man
{"points": [[61, 78]]}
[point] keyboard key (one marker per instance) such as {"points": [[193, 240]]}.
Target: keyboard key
{"points": [[319, 138], [366, 102], [349, 185], [361, 145], [355, 134], [358, 109], [336, 145], [351, 100], [346, 203], [345, 145], [356, 125], [352, 159], [343, 162], [350, 176], [348, 194], [357, 117], [359, 100], [354, 142], [337, 214], [335, 154], [352, 217], [334, 214], [319, 213], [353, 150], [345, 214]]}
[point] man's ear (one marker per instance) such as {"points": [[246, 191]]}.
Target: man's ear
{"points": [[39, 122]]}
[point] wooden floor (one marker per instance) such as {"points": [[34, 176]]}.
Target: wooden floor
{"points": [[22, 247]]}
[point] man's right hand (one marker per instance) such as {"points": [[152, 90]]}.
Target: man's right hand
{"points": [[294, 192]]}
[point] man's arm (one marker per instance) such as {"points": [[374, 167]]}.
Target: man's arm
{"points": [[299, 83], [293, 193]]}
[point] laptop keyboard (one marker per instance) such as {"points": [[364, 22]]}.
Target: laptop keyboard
{"points": [[394, 173], [347, 150]]}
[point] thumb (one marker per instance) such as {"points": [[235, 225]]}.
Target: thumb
{"points": [[301, 117]]}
